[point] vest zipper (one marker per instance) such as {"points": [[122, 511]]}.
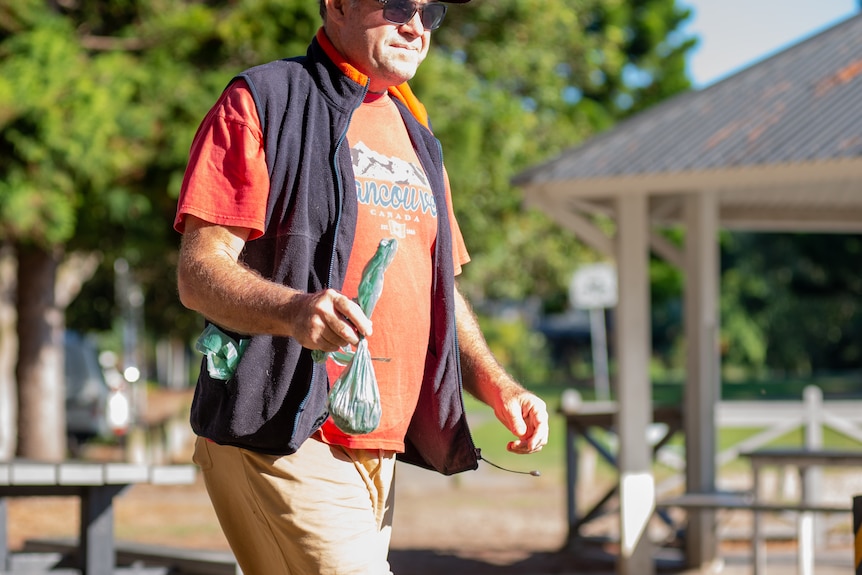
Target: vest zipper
{"points": [[339, 208]]}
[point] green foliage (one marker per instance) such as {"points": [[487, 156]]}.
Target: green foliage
{"points": [[98, 105], [99, 101], [792, 302], [522, 350], [511, 83], [72, 140], [666, 288]]}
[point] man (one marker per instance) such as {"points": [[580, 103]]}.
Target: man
{"points": [[295, 175]]}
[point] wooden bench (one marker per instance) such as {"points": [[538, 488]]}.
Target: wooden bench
{"points": [[96, 485], [170, 560], [583, 420], [746, 501], [804, 460]]}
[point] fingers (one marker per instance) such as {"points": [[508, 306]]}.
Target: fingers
{"points": [[329, 320], [350, 315], [530, 424]]}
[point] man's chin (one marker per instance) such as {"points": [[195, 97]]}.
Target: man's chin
{"points": [[404, 68]]}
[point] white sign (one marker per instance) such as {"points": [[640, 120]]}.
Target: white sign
{"points": [[594, 286]]}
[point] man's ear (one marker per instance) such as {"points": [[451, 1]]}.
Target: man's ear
{"points": [[335, 8]]}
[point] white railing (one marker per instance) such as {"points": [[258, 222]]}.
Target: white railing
{"points": [[776, 418]]}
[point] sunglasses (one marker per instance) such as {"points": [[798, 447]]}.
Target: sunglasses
{"points": [[402, 11]]}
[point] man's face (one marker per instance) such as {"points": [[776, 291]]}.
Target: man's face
{"points": [[387, 53]]}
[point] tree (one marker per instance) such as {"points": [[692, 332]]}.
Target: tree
{"points": [[99, 101], [511, 83], [791, 302], [8, 354], [67, 144]]}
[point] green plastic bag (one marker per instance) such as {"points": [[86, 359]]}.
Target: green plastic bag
{"points": [[354, 400], [222, 352], [371, 284]]}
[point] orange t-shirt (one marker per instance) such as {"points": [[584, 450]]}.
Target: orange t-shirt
{"points": [[394, 200], [227, 181]]}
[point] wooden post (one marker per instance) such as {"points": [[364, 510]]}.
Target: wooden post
{"points": [[98, 556], [634, 389], [857, 530], [5, 557], [703, 380], [811, 479]]}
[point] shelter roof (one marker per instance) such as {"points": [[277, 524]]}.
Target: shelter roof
{"points": [[781, 141]]}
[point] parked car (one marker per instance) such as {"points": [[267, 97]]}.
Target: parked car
{"points": [[93, 408]]}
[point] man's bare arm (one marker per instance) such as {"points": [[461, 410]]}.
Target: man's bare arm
{"points": [[212, 282], [522, 412]]}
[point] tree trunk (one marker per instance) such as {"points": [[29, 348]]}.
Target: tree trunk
{"points": [[8, 352], [40, 369]]}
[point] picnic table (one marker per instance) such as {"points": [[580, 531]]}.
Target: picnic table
{"points": [[96, 485], [803, 460], [584, 420], [754, 501]]}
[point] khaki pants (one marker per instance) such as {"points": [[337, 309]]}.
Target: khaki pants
{"points": [[324, 510]]}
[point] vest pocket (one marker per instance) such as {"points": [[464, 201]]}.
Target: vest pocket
{"points": [[221, 351]]}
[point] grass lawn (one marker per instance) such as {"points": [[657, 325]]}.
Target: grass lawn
{"points": [[491, 437]]}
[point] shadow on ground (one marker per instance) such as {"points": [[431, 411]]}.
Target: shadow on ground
{"points": [[436, 562], [583, 561]]}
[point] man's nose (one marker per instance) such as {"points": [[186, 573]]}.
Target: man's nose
{"points": [[415, 24]]}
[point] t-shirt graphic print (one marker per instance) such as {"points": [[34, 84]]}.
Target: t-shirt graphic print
{"points": [[394, 201], [395, 191]]}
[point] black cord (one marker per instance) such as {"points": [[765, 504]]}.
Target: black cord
{"points": [[534, 472]]}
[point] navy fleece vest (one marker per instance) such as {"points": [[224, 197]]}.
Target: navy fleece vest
{"points": [[277, 397]]}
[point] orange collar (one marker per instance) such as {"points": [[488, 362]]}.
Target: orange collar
{"points": [[402, 92]]}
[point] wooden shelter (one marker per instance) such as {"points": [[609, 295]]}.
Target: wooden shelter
{"points": [[776, 147]]}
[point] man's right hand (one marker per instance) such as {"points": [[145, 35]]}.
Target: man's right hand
{"points": [[328, 320], [213, 282]]}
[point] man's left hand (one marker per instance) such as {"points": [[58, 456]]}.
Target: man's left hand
{"points": [[525, 415]]}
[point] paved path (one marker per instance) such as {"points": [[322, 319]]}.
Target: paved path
{"points": [[463, 553]]}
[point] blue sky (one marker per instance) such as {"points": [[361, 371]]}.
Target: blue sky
{"points": [[736, 33]]}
